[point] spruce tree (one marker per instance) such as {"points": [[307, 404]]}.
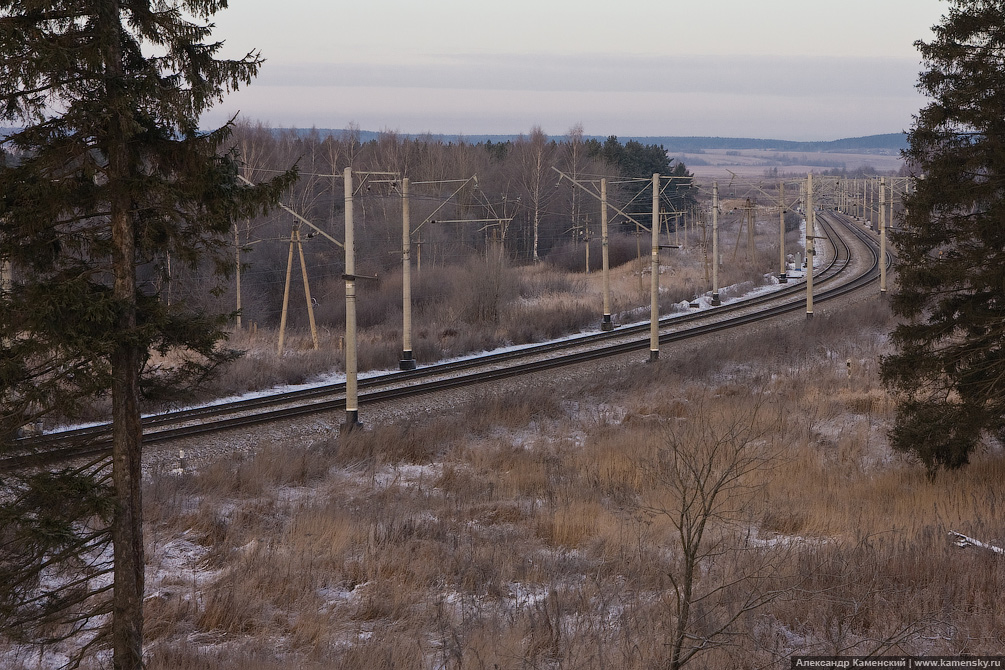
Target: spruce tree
{"points": [[106, 176], [949, 367]]}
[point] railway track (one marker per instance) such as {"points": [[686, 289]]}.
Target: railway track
{"points": [[835, 278]]}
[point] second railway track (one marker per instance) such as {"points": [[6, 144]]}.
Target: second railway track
{"points": [[845, 271]]}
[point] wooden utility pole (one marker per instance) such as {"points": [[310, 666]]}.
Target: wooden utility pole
{"points": [[746, 219], [286, 296], [307, 291], [296, 240]]}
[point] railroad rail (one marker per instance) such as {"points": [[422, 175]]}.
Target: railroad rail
{"points": [[834, 279]]}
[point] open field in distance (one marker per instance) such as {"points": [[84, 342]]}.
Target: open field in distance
{"points": [[720, 163]]}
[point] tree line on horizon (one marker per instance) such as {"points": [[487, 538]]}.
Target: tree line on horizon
{"points": [[673, 143]]}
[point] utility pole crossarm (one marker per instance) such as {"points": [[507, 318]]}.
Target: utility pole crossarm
{"points": [[668, 182], [614, 207], [444, 203], [300, 218], [782, 199], [492, 220]]}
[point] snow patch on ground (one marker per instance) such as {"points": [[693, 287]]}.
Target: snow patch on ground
{"points": [[177, 563], [33, 658], [59, 654], [756, 538], [408, 475], [333, 598], [596, 414]]}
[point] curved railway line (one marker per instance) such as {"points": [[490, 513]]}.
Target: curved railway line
{"points": [[837, 277]]}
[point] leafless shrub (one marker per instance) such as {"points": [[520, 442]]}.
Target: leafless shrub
{"points": [[571, 257], [700, 483]]}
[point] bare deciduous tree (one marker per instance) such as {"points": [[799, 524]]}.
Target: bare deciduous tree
{"points": [[701, 481], [536, 158]]}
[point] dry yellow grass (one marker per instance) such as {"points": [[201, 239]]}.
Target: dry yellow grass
{"points": [[480, 544], [530, 529]]}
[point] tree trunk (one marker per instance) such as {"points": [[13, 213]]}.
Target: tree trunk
{"points": [[684, 601], [127, 530], [537, 221], [127, 437], [127, 432]]}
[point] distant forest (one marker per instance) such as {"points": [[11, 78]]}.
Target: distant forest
{"points": [[891, 143], [465, 198]]}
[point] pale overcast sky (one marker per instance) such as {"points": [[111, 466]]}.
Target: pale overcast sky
{"points": [[781, 69]]}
